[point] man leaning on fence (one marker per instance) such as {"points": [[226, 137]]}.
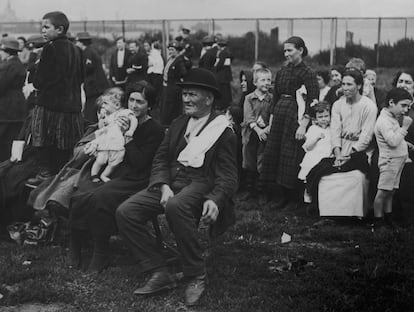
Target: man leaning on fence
{"points": [[193, 178]]}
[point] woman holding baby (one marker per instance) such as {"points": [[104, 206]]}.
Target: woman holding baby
{"points": [[93, 205]]}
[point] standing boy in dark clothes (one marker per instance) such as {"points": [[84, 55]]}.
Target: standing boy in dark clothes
{"points": [[57, 120]]}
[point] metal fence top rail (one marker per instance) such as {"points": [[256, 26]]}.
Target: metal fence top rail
{"points": [[225, 19]]}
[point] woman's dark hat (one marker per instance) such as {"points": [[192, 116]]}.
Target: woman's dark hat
{"points": [[203, 79], [36, 41], [208, 40], [84, 35], [176, 45], [10, 43]]}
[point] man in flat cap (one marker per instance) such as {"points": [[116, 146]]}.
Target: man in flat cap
{"points": [[193, 179], [174, 71], [95, 82]]}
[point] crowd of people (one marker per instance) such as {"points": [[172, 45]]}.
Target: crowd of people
{"points": [[94, 151]]}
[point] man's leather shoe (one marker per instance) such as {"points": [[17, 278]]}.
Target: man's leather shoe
{"points": [[195, 289], [159, 281]]}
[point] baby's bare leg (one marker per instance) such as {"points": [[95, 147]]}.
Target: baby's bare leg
{"points": [[107, 172], [98, 164]]}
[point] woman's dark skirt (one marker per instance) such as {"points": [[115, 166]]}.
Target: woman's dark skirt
{"points": [[55, 129], [283, 153], [93, 206]]}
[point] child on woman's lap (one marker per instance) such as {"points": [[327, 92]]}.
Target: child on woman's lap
{"points": [[318, 142], [110, 141]]}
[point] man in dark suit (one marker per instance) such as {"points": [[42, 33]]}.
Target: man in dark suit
{"points": [[137, 64], [223, 72], [208, 54], [119, 64], [193, 179], [95, 82]]}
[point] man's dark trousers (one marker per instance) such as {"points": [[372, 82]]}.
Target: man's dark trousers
{"points": [[183, 212]]}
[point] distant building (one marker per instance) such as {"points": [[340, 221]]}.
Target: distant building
{"points": [[8, 14]]}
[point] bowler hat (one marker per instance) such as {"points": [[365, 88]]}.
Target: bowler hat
{"points": [[176, 45], [10, 43], [36, 41], [203, 79], [84, 35]]}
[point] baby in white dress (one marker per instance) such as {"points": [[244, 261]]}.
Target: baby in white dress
{"points": [[110, 139]]}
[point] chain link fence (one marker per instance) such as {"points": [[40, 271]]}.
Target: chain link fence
{"points": [[320, 34]]}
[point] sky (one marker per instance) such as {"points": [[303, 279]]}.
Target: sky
{"points": [[189, 9]]}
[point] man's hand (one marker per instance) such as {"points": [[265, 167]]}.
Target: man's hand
{"points": [[166, 194], [210, 212], [410, 146]]}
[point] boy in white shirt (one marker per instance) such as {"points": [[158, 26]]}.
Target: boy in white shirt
{"points": [[393, 151]]}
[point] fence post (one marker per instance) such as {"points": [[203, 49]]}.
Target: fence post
{"points": [[321, 30], [405, 28], [332, 45], [123, 29], [213, 27], [290, 27], [256, 41], [378, 41], [103, 28], [85, 28], [165, 38]]}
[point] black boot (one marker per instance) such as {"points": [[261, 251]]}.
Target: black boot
{"points": [[100, 258]]}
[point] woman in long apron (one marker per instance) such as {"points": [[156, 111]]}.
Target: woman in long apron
{"points": [[283, 152]]}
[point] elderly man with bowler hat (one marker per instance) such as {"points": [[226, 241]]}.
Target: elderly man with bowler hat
{"points": [[193, 179], [95, 82], [12, 102]]}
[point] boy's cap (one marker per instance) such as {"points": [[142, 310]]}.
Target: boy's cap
{"points": [[10, 43], [36, 41], [84, 35]]}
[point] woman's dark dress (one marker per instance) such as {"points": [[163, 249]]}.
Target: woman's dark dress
{"points": [[93, 205], [283, 153]]}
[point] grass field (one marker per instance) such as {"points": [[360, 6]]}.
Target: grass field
{"points": [[327, 266]]}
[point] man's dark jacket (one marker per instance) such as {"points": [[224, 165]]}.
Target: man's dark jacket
{"points": [[223, 72], [139, 62], [208, 59], [59, 76], [219, 167], [95, 80]]}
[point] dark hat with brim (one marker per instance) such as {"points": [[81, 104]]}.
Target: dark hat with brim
{"points": [[208, 40], [36, 41], [10, 43], [84, 35], [222, 42], [176, 45], [203, 79]]}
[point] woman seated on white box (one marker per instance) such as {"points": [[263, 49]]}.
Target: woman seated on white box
{"points": [[352, 128]]}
